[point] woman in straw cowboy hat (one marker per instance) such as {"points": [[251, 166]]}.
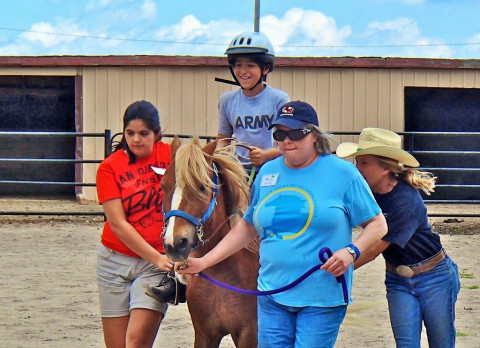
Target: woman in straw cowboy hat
{"points": [[422, 281]]}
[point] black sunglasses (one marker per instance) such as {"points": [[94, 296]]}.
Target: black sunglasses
{"points": [[294, 134]]}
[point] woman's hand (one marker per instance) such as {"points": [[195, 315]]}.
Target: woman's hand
{"points": [[338, 263], [239, 237], [192, 265]]}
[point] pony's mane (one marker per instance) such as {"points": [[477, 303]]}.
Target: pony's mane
{"points": [[193, 171]]}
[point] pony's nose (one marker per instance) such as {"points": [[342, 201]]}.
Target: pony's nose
{"points": [[181, 244], [179, 251]]}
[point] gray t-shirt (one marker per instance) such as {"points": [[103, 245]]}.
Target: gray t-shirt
{"points": [[248, 118]]}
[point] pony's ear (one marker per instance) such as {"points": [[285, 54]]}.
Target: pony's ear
{"points": [[174, 145], [210, 147]]}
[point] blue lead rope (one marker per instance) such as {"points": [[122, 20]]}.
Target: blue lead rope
{"points": [[321, 256]]}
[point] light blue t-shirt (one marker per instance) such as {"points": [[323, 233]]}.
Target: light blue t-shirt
{"points": [[299, 211], [248, 118]]}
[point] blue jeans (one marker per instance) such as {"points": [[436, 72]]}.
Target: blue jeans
{"points": [[299, 327], [429, 297]]}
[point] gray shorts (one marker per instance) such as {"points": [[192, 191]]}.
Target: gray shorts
{"points": [[121, 283]]}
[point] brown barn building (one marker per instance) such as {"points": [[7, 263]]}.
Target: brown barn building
{"points": [[88, 94]]}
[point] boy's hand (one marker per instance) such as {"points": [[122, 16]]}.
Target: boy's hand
{"points": [[257, 156]]}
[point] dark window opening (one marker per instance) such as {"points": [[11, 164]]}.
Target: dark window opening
{"points": [[446, 110], [37, 104]]}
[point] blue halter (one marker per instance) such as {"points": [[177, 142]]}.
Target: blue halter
{"points": [[193, 220]]}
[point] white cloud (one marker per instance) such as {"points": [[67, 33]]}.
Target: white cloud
{"points": [[403, 36], [299, 27], [94, 4], [187, 29], [14, 50], [296, 28], [41, 32], [212, 38], [149, 9], [408, 2], [401, 31], [297, 32], [429, 48], [401, 28], [472, 48]]}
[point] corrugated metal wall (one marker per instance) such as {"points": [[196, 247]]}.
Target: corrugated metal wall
{"points": [[186, 98], [346, 98]]}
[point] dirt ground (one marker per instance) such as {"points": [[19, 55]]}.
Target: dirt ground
{"points": [[48, 294]]}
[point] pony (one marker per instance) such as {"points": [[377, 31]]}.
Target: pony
{"points": [[203, 191]]}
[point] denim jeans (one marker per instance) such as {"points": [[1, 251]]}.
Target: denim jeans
{"points": [[429, 297], [299, 327]]}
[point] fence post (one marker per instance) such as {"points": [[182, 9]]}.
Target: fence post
{"points": [[108, 135]]}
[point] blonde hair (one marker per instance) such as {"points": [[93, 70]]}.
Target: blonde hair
{"points": [[424, 181], [193, 171]]}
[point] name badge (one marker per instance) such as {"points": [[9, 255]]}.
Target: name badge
{"points": [[159, 171], [269, 180]]}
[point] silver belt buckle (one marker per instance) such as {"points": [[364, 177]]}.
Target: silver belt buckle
{"points": [[404, 271]]}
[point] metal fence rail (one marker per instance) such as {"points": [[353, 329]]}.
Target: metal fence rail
{"points": [[110, 141], [409, 140], [53, 213], [106, 136]]}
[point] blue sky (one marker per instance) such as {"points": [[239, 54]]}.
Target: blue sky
{"points": [[331, 28]]}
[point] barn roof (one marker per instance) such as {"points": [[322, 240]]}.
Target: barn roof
{"points": [[156, 60]]}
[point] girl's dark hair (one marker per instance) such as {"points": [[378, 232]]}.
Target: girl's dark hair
{"points": [[139, 110]]}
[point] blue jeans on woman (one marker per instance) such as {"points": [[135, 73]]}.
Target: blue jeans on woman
{"points": [[299, 327], [429, 297]]}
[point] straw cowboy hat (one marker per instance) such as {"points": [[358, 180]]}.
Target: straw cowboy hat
{"points": [[379, 142]]}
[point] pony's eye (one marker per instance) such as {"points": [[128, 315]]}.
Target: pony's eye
{"points": [[203, 188]]}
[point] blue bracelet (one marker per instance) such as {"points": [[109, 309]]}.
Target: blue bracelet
{"points": [[357, 252]]}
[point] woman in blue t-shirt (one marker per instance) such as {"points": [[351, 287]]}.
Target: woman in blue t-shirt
{"points": [[422, 281], [301, 202]]}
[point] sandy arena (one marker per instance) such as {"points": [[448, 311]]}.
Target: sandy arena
{"points": [[48, 294]]}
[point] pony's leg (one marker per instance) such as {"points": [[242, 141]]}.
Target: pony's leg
{"points": [[202, 341], [246, 339]]}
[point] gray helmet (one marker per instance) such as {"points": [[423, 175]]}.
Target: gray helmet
{"points": [[251, 43]]}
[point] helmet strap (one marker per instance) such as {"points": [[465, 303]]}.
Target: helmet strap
{"points": [[238, 83], [263, 78], [230, 67], [228, 82]]}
